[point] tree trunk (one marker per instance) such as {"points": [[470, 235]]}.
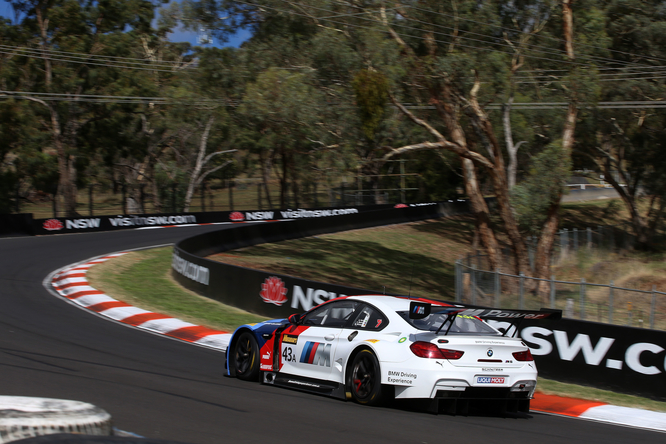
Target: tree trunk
{"points": [[547, 237], [196, 173], [482, 214]]}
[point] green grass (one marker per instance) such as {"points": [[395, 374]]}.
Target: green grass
{"points": [[416, 258], [143, 279]]}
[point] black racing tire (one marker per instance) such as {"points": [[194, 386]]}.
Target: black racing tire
{"points": [[246, 357], [364, 379]]}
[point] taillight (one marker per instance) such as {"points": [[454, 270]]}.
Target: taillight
{"points": [[451, 354], [523, 356], [431, 351]]}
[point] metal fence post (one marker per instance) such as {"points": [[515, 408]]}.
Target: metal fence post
{"points": [[473, 284], [498, 289], [589, 238], [653, 306], [90, 199], [231, 195], [564, 243], [458, 281], [610, 303], [552, 291], [259, 195], [522, 290], [582, 298], [575, 239]]}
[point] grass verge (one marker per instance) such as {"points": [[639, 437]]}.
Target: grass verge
{"points": [[143, 279]]}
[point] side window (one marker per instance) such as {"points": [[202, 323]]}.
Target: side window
{"points": [[315, 316], [333, 314], [369, 318]]}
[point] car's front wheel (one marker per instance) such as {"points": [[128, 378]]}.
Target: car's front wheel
{"points": [[246, 357], [364, 379]]}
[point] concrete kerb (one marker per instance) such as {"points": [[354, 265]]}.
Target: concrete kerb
{"points": [[25, 417]]}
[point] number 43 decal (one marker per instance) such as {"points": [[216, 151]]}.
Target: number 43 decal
{"points": [[288, 355]]}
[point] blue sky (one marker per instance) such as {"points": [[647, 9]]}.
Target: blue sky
{"points": [[178, 36]]}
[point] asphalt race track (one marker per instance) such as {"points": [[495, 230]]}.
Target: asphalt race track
{"points": [[160, 388]]}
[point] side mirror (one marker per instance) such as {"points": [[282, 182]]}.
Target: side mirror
{"points": [[294, 319]]}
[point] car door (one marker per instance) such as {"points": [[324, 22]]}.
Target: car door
{"points": [[364, 325], [308, 348]]}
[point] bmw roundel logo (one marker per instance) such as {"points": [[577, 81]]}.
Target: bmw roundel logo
{"points": [[489, 352]]}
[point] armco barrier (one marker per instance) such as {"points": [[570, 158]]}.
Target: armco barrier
{"points": [[270, 294]]}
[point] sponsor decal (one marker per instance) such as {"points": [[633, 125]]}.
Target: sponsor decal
{"points": [[489, 352], [191, 271], [265, 367], [290, 339], [401, 205], [273, 291], [372, 340], [316, 353], [53, 225], [236, 216], [502, 314], [379, 322], [490, 380], [310, 297], [419, 309], [140, 221], [403, 339], [396, 377], [492, 369], [267, 355]]}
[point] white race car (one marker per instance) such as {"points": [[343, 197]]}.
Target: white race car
{"points": [[370, 348]]}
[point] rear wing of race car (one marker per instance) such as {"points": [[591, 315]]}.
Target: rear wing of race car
{"points": [[420, 310]]}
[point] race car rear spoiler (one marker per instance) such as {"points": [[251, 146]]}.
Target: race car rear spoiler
{"points": [[420, 310]]}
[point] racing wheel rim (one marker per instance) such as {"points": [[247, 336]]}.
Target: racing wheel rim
{"points": [[364, 379], [245, 356]]}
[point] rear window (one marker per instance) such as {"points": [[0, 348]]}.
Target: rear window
{"points": [[462, 325]]}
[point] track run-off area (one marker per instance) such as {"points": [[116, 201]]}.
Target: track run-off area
{"points": [[162, 388]]}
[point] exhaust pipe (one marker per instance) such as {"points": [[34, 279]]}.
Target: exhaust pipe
{"points": [[269, 377]]}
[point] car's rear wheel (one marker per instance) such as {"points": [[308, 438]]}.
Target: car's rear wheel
{"points": [[364, 379], [246, 357]]}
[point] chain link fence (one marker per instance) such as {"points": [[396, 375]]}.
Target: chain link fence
{"points": [[607, 303]]}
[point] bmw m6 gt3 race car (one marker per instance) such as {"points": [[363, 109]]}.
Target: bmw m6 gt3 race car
{"points": [[369, 348]]}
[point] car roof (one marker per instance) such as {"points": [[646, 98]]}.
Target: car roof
{"points": [[394, 303]]}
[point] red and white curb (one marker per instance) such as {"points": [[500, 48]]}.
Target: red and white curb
{"points": [[599, 411], [71, 284]]}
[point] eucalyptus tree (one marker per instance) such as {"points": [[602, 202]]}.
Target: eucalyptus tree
{"points": [[628, 144], [74, 49], [281, 107], [454, 57]]}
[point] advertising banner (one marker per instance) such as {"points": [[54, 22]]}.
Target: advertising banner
{"points": [[623, 359], [60, 225]]}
